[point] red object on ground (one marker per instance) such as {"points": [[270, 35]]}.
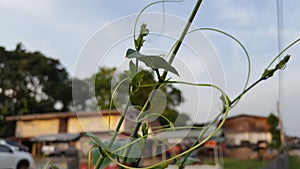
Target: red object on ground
{"points": [[210, 144]]}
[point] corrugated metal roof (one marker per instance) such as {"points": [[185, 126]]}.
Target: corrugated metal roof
{"points": [[186, 133], [62, 137]]}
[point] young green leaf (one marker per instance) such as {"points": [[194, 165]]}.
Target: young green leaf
{"points": [[132, 68], [96, 155], [95, 140], [136, 150], [152, 61], [156, 62], [130, 53]]}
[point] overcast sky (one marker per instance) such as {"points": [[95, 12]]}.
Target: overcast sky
{"points": [[63, 29]]}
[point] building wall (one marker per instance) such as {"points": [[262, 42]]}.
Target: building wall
{"points": [[246, 124], [247, 128], [34, 128], [252, 137], [92, 124], [38, 127]]}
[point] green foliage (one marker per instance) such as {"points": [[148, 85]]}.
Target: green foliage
{"points": [[102, 81], [152, 61], [171, 116], [139, 95], [96, 154], [273, 122], [136, 82], [294, 162], [31, 83]]}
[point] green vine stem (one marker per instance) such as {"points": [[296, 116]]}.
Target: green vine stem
{"points": [[183, 34], [116, 131], [172, 57], [240, 44], [176, 48]]}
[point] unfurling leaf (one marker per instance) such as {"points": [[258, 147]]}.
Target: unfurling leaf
{"points": [[139, 42], [283, 62], [144, 30], [281, 65]]}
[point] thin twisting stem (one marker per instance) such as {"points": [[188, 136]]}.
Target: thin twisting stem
{"points": [[172, 57]]}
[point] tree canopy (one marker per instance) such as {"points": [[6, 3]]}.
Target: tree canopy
{"points": [[31, 83], [103, 80], [273, 121]]}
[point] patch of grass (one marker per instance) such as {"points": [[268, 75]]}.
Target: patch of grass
{"points": [[243, 164], [231, 163], [294, 162]]}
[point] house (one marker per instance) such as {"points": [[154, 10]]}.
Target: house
{"points": [[40, 130], [246, 129]]}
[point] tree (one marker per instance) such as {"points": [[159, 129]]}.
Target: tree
{"points": [[103, 94], [273, 122], [31, 83], [103, 86], [82, 92]]}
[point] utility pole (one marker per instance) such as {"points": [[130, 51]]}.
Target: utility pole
{"points": [[282, 135], [279, 5]]}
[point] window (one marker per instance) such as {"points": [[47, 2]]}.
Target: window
{"points": [[4, 149]]}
